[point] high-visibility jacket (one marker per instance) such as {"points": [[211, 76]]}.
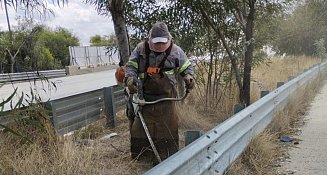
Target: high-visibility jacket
{"points": [[176, 63]]}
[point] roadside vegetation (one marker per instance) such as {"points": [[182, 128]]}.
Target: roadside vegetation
{"points": [[227, 40], [266, 152], [85, 152], [31, 47]]}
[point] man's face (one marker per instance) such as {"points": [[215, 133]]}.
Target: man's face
{"points": [[160, 46]]}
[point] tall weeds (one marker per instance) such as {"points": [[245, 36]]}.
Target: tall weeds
{"points": [[262, 154], [52, 154]]}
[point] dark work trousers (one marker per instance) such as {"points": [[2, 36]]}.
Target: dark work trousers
{"points": [[161, 120]]}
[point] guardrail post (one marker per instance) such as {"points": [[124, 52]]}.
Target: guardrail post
{"points": [[263, 93], [238, 108], [52, 110], [191, 136], [290, 78], [109, 106], [279, 84]]}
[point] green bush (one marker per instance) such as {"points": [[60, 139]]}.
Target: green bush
{"points": [[320, 50]]}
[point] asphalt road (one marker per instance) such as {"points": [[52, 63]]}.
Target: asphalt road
{"points": [[65, 86], [310, 156]]}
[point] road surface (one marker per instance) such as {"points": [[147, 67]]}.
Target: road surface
{"points": [[65, 86], [310, 158]]}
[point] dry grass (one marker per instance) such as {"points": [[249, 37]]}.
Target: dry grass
{"points": [[266, 76], [72, 154], [190, 119], [69, 156], [265, 151], [217, 108], [258, 158]]}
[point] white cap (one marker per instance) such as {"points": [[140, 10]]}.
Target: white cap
{"points": [[159, 33], [159, 40]]}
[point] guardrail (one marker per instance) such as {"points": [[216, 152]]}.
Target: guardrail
{"points": [[73, 112], [76, 111], [213, 152], [23, 76]]}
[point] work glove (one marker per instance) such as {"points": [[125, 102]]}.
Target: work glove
{"points": [[189, 81], [131, 85]]}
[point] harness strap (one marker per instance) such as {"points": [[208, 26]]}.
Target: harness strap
{"points": [[147, 53], [162, 63]]}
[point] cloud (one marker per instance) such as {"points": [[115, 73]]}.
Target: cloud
{"points": [[79, 18], [3, 19]]}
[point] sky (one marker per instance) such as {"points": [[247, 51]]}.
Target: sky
{"points": [[80, 19]]}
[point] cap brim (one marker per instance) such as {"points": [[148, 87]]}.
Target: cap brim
{"points": [[159, 40]]}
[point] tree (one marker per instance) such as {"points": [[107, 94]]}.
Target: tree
{"points": [[45, 59], [4, 42], [301, 29], [105, 40], [116, 9], [31, 40], [233, 23], [320, 49], [12, 50], [29, 7], [217, 14], [97, 40], [58, 42]]}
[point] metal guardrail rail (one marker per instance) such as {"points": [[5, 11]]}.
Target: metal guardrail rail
{"points": [[213, 152], [23, 76], [73, 112]]}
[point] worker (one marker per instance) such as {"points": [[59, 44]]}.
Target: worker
{"points": [[156, 63]]}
